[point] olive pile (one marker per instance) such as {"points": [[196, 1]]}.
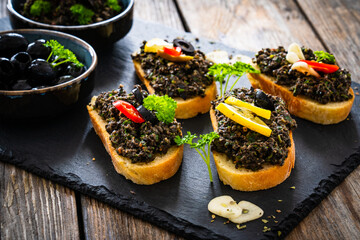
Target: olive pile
{"points": [[25, 66]]}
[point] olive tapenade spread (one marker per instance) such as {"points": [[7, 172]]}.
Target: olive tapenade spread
{"points": [[176, 79], [249, 149], [139, 142], [332, 87]]}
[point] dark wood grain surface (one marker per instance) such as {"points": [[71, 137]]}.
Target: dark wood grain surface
{"points": [[34, 208]]}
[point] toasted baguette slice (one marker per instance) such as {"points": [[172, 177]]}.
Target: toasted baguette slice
{"points": [[301, 106], [161, 168], [185, 108], [247, 180]]}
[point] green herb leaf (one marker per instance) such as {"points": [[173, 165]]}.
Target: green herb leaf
{"points": [[223, 70], [324, 56], [61, 55], [164, 107], [40, 7], [114, 4], [200, 146], [83, 14]]}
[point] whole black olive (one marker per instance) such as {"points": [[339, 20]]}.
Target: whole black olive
{"points": [[263, 101], [186, 47], [21, 85], [40, 72], [7, 71], [147, 115], [37, 49], [138, 95], [21, 61], [63, 79], [75, 71], [61, 69], [11, 43]]}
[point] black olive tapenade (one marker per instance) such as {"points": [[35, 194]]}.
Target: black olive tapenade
{"points": [[249, 149], [139, 142], [176, 79], [333, 87]]}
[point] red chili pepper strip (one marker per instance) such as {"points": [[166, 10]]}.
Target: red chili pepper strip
{"points": [[129, 111], [321, 67], [175, 51]]}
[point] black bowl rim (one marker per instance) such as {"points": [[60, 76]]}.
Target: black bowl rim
{"points": [[69, 28], [78, 79]]}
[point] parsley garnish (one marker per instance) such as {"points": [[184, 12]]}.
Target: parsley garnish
{"points": [[205, 140], [321, 56], [61, 55], [40, 7], [114, 4], [163, 106], [83, 14], [223, 70]]}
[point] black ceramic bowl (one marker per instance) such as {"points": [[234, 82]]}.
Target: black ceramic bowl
{"points": [[97, 34], [53, 100]]}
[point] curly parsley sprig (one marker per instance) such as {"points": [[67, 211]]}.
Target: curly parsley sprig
{"points": [[61, 55], [324, 56], [83, 14], [40, 7], [200, 146], [164, 107], [223, 70]]}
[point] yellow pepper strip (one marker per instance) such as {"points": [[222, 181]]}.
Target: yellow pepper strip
{"points": [[155, 44], [244, 117], [181, 58], [258, 111]]}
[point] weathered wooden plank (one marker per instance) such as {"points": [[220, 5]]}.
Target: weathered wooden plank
{"points": [[34, 208], [104, 222], [338, 25], [100, 220], [247, 24], [159, 11]]}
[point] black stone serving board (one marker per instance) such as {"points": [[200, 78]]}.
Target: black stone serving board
{"points": [[62, 149]]}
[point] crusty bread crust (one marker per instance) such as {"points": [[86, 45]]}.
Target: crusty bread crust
{"points": [[185, 108], [302, 106], [246, 180], [161, 168]]}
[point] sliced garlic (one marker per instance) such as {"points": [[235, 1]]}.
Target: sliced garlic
{"points": [[304, 68], [224, 206], [218, 57], [240, 58], [291, 57], [295, 48], [250, 212]]}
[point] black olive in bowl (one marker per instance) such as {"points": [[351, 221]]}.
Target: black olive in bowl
{"points": [[97, 34], [32, 97]]}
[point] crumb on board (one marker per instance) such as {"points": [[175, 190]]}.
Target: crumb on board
{"points": [[93, 159]]}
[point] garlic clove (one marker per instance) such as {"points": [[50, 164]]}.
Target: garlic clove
{"points": [[218, 57], [295, 48], [291, 57], [250, 212], [240, 58], [304, 68], [225, 206]]}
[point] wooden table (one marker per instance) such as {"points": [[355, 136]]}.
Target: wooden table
{"points": [[35, 208]]}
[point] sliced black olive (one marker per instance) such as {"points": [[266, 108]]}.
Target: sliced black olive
{"points": [[63, 79], [186, 47], [21, 61], [21, 85], [40, 72], [7, 71], [11, 43], [138, 95], [147, 115], [263, 101], [37, 49], [75, 71]]}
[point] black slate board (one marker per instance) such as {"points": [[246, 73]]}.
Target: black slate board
{"points": [[62, 150]]}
